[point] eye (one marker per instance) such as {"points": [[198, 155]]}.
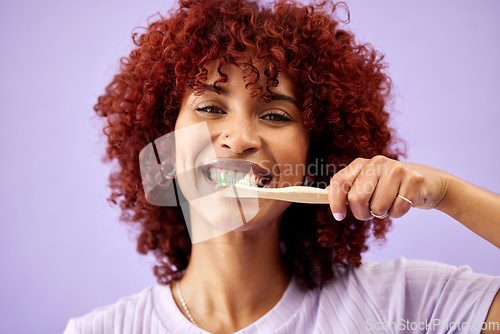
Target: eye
{"points": [[280, 117], [210, 110]]}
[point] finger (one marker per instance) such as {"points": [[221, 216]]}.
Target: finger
{"points": [[387, 188], [339, 187], [409, 189], [384, 196], [399, 208], [361, 192]]}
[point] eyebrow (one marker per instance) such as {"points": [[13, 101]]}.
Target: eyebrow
{"points": [[223, 91]]}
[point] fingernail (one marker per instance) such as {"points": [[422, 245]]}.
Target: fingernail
{"points": [[338, 216]]}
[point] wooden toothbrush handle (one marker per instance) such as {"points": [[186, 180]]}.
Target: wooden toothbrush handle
{"points": [[298, 194]]}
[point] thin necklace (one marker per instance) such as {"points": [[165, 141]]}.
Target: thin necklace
{"points": [[184, 305]]}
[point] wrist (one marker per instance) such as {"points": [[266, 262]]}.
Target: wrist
{"points": [[443, 197], [456, 196]]}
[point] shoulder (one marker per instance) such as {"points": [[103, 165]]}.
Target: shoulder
{"points": [[405, 273], [120, 317], [410, 271], [413, 289]]}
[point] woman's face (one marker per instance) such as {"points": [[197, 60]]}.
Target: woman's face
{"points": [[230, 135]]}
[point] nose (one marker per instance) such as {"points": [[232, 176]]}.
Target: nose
{"points": [[240, 135]]}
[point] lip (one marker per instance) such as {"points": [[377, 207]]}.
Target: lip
{"points": [[237, 165]]}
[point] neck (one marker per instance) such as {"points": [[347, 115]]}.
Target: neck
{"points": [[234, 279]]}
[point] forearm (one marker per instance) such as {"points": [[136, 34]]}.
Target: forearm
{"points": [[474, 207]]}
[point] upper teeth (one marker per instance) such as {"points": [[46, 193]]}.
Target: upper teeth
{"points": [[221, 176]]}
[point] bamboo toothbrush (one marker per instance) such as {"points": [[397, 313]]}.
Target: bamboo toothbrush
{"points": [[299, 194]]}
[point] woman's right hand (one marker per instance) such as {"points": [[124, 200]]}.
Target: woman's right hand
{"points": [[384, 187]]}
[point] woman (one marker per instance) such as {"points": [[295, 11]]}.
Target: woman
{"points": [[271, 92]]}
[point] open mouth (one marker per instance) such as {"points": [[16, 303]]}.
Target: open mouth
{"points": [[227, 172]]}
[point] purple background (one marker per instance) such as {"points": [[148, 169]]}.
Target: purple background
{"points": [[63, 251]]}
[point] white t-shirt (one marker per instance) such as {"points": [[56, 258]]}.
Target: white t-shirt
{"points": [[408, 296]]}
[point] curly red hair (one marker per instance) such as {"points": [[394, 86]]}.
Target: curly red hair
{"points": [[343, 90]]}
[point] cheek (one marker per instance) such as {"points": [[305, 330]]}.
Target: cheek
{"points": [[192, 143], [296, 146], [182, 120], [291, 156]]}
